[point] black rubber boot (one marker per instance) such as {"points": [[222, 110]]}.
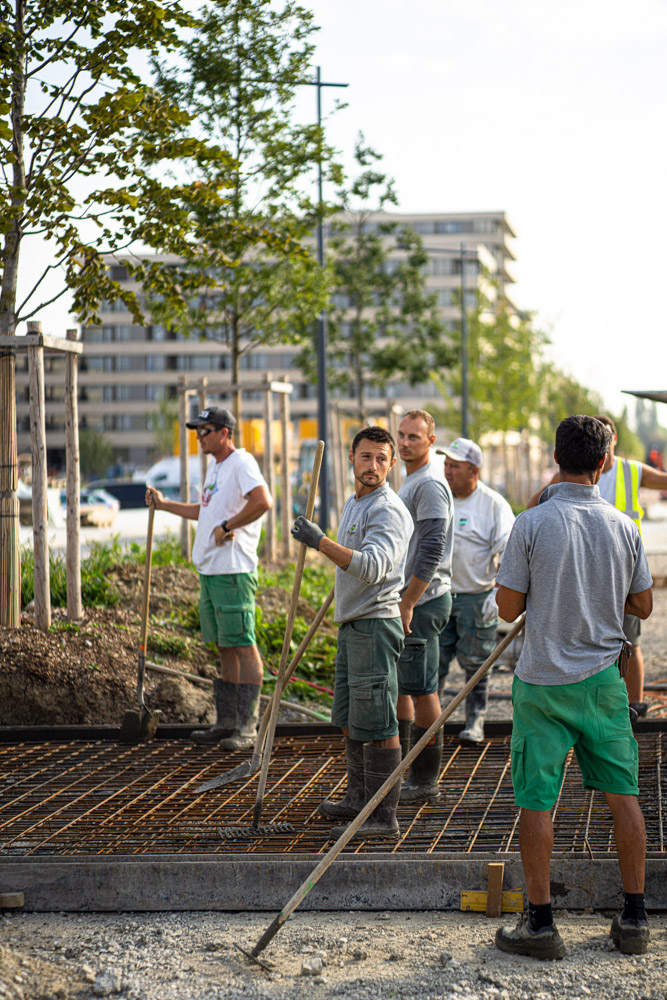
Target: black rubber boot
{"points": [[422, 783], [355, 797], [405, 736], [225, 695], [476, 703], [247, 713], [378, 765]]}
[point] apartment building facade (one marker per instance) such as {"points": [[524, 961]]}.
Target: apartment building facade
{"points": [[127, 371]]}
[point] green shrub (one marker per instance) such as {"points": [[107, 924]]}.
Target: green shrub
{"points": [[168, 644], [96, 590]]}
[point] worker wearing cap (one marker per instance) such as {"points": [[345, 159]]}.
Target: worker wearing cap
{"points": [[233, 499], [483, 520], [619, 485]]}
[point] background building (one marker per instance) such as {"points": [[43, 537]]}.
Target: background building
{"points": [[128, 371]]}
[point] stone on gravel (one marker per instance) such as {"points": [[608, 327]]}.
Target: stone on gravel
{"points": [[106, 983], [312, 965]]}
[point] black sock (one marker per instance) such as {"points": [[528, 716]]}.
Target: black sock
{"points": [[634, 908], [539, 915]]}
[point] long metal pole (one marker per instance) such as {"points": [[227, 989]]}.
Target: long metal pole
{"points": [[322, 400], [464, 350]]}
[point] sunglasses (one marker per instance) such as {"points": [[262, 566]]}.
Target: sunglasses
{"points": [[201, 432]]}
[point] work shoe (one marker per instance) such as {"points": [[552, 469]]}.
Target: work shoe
{"points": [[247, 713], [422, 782], [476, 703], [544, 944], [630, 936], [378, 765], [225, 695], [354, 799]]}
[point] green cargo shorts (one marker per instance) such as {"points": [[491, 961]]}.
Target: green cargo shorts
{"points": [[366, 689], [591, 716], [227, 608], [418, 663]]}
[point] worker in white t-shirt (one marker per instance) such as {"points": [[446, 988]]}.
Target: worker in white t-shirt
{"points": [[234, 498], [483, 520]]}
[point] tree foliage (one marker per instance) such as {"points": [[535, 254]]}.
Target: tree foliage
{"points": [[95, 453], [383, 323], [84, 143], [238, 75]]}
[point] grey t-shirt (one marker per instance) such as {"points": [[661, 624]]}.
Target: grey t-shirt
{"points": [[378, 527], [429, 498], [576, 558]]}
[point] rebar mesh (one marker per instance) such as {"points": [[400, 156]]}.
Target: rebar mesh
{"points": [[67, 798]]}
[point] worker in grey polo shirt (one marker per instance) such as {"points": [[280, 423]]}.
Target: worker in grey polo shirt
{"points": [[575, 564], [483, 520], [373, 536], [426, 602]]}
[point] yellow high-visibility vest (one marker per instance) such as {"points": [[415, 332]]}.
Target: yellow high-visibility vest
{"points": [[627, 490]]}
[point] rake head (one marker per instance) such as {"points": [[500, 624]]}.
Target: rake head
{"points": [[248, 832]]}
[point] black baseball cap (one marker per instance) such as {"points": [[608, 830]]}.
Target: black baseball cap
{"points": [[217, 415]]}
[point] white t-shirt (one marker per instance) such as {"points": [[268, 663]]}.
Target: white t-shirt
{"points": [[225, 493], [482, 523], [607, 482]]}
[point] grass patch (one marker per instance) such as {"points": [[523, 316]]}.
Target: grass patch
{"points": [[168, 644], [96, 591]]}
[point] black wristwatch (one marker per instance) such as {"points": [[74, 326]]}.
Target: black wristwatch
{"points": [[224, 526]]}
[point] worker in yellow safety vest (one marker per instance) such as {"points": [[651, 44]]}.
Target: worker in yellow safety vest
{"points": [[619, 485]]}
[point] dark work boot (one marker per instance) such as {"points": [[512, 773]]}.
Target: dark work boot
{"points": [[405, 736], [476, 703], [355, 799], [225, 695], [422, 784], [247, 713], [378, 765]]}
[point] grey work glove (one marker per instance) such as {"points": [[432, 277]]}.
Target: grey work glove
{"points": [[307, 532]]}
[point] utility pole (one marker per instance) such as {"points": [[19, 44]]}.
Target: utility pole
{"points": [[321, 340]]}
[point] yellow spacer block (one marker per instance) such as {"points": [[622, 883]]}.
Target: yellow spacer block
{"points": [[475, 902]]}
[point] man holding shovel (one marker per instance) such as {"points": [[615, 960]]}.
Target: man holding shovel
{"points": [[234, 498], [575, 564], [373, 536]]}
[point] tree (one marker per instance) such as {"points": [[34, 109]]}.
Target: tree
{"points": [[81, 140], [95, 454], [163, 423], [238, 75], [382, 321]]}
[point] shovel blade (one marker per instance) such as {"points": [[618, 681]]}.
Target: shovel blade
{"points": [[242, 770]]}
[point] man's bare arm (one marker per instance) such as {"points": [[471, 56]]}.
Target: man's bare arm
{"points": [[535, 499], [511, 603], [640, 605], [190, 511], [339, 555], [653, 479]]}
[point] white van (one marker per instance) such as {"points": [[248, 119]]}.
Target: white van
{"points": [[165, 476]]}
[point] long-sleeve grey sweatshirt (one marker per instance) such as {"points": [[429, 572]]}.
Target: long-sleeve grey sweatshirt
{"points": [[378, 527]]}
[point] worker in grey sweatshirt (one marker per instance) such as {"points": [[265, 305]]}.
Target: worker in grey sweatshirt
{"points": [[370, 552]]}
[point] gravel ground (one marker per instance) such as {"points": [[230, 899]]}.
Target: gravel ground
{"points": [[353, 956]]}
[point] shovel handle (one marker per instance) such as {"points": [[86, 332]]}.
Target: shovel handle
{"points": [[287, 641], [395, 776]]}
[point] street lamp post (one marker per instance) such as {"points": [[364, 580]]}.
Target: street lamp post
{"points": [[321, 340]]}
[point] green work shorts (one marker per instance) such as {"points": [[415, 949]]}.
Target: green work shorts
{"points": [[366, 689], [591, 716], [418, 663], [227, 608]]}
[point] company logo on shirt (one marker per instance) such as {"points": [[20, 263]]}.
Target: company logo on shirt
{"points": [[353, 528], [462, 521]]}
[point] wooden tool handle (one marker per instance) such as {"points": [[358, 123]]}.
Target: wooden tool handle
{"points": [[287, 641], [147, 581]]}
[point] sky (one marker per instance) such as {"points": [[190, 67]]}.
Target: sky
{"points": [[553, 111]]}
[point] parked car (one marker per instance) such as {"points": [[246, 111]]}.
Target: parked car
{"points": [[96, 507], [128, 492]]}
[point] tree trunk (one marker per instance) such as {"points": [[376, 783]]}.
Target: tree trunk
{"points": [[237, 396], [10, 573]]}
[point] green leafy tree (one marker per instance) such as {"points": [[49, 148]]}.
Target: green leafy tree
{"points": [[96, 454], [382, 321], [162, 423], [83, 146], [238, 75]]}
